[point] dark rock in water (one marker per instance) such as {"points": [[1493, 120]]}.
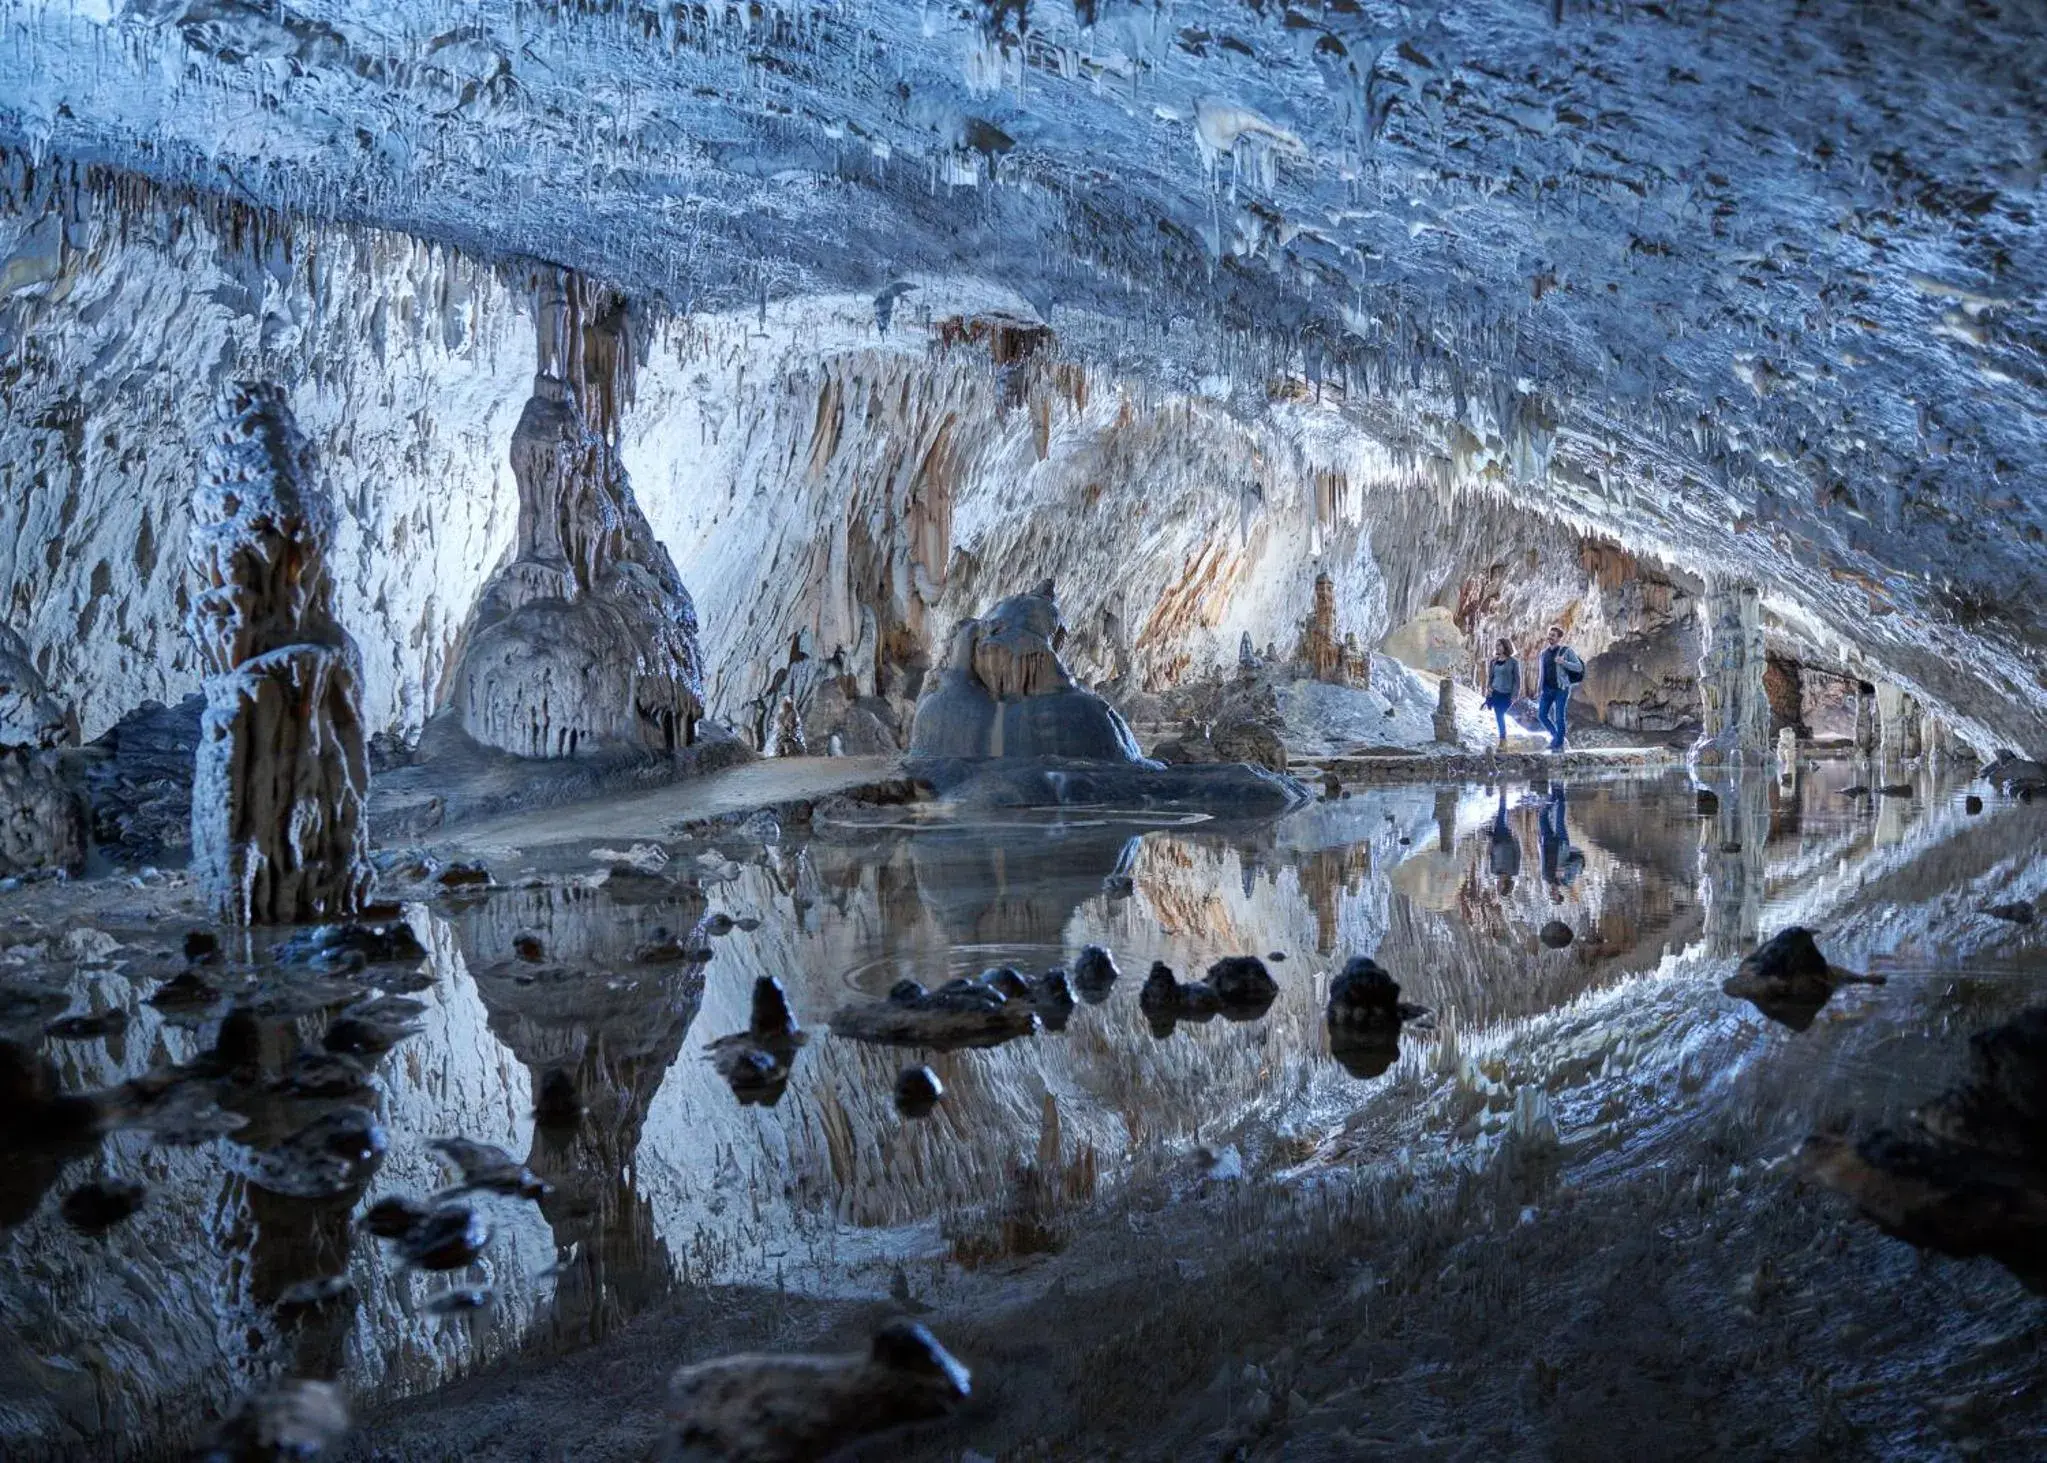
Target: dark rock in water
{"points": [[97, 1207], [1789, 980], [1555, 934], [1709, 802], [485, 1166], [448, 1238], [88, 1028], [303, 1297], [332, 946], [295, 1421], [1896, 790], [1166, 1002], [918, 1091], [1970, 1176], [463, 877], [758, 1062], [2018, 911], [202, 947], [1243, 987], [527, 947], [1050, 994], [1094, 973], [1007, 980], [960, 1013], [1972, 805], [461, 1301], [395, 1217], [1275, 957], [138, 782], [371, 1028], [323, 1074], [328, 1157], [556, 1103], [1857, 791], [184, 993], [800, 1409], [1365, 1014]]}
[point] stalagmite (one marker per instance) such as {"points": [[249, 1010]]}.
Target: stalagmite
{"points": [[42, 825], [585, 641], [1443, 725], [1865, 719], [281, 776], [1339, 662], [1005, 693], [1737, 711]]}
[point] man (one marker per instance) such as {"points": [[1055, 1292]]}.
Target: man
{"points": [[1562, 670]]}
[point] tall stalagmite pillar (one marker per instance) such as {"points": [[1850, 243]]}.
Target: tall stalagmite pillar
{"points": [[1737, 710], [585, 641], [1865, 720], [279, 832], [1899, 724]]}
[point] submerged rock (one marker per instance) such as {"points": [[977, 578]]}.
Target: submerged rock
{"points": [[1166, 1001], [1789, 980], [799, 1409], [445, 1238], [918, 1092], [758, 1062], [488, 1167], [394, 1217], [352, 945], [1555, 934], [1365, 1015], [1094, 974], [1969, 1177], [1243, 987], [295, 1421], [2018, 911], [328, 1157], [960, 1013]]}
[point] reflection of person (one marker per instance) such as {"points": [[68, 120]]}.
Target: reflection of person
{"points": [[1503, 854], [1502, 684], [1562, 670], [1560, 861]]}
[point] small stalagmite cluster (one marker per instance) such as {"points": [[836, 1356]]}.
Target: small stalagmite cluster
{"points": [[281, 781], [585, 641]]}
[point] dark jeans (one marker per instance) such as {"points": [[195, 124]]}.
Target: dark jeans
{"points": [[1550, 712], [1499, 705]]}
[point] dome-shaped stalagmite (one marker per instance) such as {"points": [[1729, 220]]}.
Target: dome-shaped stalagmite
{"points": [[585, 641], [1004, 692], [281, 777]]}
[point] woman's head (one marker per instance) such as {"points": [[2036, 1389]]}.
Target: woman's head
{"points": [[1503, 648]]}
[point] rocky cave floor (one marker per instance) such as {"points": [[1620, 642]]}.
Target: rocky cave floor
{"points": [[1561, 1224]]}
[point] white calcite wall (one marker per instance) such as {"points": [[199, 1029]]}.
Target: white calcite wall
{"points": [[120, 315]]}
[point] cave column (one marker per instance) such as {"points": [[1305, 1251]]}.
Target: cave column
{"points": [[1736, 705], [1865, 720], [1898, 724]]}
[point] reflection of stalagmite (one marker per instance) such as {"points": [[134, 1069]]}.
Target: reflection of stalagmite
{"points": [[576, 1012], [278, 827], [1735, 865], [586, 640]]}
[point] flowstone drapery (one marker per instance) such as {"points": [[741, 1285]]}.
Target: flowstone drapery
{"points": [[585, 641], [279, 832], [1737, 709]]}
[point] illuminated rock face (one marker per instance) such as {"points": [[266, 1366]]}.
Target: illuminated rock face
{"points": [[585, 642], [1005, 693], [281, 775], [1737, 708]]}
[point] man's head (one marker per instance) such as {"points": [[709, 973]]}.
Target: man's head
{"points": [[1556, 634]]}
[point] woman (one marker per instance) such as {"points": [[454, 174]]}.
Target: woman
{"points": [[1503, 684]]}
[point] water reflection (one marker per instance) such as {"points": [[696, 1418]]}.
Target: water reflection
{"points": [[597, 1025]]}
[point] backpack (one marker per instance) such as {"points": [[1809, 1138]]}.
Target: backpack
{"points": [[1572, 667]]}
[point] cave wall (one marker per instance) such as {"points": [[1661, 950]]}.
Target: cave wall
{"points": [[123, 308]]}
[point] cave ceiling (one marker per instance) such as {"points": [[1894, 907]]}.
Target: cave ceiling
{"points": [[1753, 285]]}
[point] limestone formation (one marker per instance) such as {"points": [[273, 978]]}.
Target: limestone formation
{"points": [[42, 825], [1443, 724], [1737, 709], [1338, 662], [1004, 692], [29, 715], [584, 642], [279, 832]]}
